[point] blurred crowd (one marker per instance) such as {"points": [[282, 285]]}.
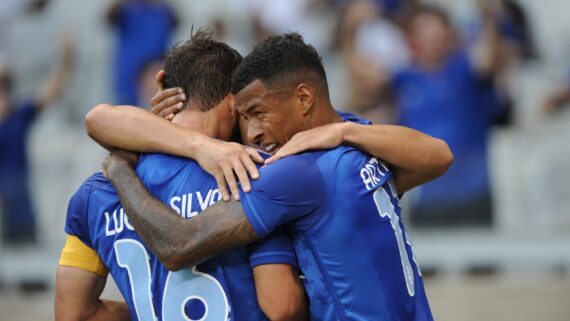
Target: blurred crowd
{"points": [[400, 62]]}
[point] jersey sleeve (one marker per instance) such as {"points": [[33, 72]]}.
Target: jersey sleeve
{"points": [[276, 248], [76, 254], [287, 190], [76, 222]]}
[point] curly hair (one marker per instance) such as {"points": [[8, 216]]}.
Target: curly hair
{"points": [[202, 67], [283, 60]]}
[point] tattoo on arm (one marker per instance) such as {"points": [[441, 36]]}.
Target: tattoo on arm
{"points": [[178, 242]]}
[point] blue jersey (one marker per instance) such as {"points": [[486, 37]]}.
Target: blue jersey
{"points": [[219, 289], [343, 210]]}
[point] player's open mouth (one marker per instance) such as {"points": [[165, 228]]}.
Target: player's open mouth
{"points": [[269, 148]]}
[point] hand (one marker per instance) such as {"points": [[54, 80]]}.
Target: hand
{"points": [[117, 159], [323, 137], [225, 161], [166, 103]]}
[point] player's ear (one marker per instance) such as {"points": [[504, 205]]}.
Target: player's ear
{"points": [[305, 97], [231, 105]]}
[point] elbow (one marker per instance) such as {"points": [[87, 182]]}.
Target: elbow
{"points": [[172, 263], [290, 312], [290, 308], [176, 261], [95, 119], [445, 158]]}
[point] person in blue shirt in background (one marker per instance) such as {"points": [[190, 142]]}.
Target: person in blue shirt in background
{"points": [[449, 93], [16, 205], [341, 205], [144, 28]]}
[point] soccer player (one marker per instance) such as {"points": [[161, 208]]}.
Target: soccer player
{"points": [[341, 205], [101, 238]]}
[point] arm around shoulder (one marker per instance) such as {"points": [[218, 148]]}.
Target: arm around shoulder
{"points": [[416, 158]]}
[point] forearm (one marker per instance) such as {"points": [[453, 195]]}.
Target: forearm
{"points": [[290, 302], [135, 129], [401, 147], [177, 242]]}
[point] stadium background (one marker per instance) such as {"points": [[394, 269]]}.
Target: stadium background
{"points": [[518, 269]]}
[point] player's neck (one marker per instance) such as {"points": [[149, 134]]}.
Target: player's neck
{"points": [[324, 115], [195, 121]]}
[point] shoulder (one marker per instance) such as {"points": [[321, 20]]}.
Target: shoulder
{"points": [[296, 172], [77, 218], [94, 182], [349, 117], [162, 165]]}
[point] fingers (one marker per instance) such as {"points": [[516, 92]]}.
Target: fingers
{"points": [[160, 79], [232, 183], [167, 102], [221, 181], [170, 112], [241, 174], [165, 94], [247, 161], [254, 154], [291, 148]]}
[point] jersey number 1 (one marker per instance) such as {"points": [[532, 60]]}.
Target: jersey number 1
{"points": [[180, 288], [386, 209]]}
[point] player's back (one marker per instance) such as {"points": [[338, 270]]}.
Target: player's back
{"points": [[218, 289], [357, 259]]}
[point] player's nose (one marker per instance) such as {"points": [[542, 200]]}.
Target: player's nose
{"points": [[254, 132]]}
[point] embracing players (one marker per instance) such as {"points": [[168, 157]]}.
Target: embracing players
{"points": [[341, 205], [101, 237]]}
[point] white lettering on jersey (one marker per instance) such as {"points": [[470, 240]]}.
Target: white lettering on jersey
{"points": [[117, 221], [371, 171], [117, 225]]}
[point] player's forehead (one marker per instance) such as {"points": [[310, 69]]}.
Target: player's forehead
{"points": [[255, 95]]}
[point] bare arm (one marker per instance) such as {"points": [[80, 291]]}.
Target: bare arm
{"points": [[290, 301], [487, 51], [416, 158], [53, 85], [77, 295], [177, 242], [135, 129]]}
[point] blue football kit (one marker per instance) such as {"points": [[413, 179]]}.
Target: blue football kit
{"points": [[219, 289], [343, 212]]}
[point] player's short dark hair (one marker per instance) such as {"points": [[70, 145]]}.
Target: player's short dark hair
{"points": [[202, 67], [281, 60]]}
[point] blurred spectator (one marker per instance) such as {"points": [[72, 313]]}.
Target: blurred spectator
{"points": [[449, 93], [19, 225], [144, 29], [515, 46], [371, 46]]}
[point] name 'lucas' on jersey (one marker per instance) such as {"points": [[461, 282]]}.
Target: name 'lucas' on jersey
{"points": [[186, 205]]}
